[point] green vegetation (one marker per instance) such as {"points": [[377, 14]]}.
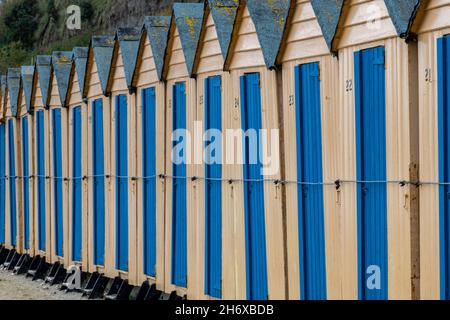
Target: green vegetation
{"points": [[32, 27]]}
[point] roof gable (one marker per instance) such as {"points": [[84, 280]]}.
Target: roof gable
{"points": [[62, 66], [188, 19], [269, 17], [103, 48], [14, 88], [44, 68], [129, 39], [328, 14], [224, 15], [157, 32], [27, 84], [402, 14], [80, 56]]}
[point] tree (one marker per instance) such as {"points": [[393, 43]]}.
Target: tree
{"points": [[52, 11], [87, 11], [20, 23], [13, 55]]}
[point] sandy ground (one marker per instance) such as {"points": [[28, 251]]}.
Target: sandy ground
{"points": [[14, 287]]}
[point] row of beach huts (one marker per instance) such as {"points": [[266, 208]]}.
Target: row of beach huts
{"points": [[355, 95]]}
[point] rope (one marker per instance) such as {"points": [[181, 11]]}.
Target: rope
{"points": [[337, 183]]}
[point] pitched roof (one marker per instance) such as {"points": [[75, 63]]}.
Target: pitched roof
{"points": [[44, 68], [27, 84], [13, 88], [62, 66], [328, 13], [129, 39], [224, 15], [158, 31], [3, 84], [402, 14], [189, 19], [103, 48], [80, 56], [269, 17]]}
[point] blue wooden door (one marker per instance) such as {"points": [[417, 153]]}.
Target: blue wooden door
{"points": [[40, 168], [121, 183], [179, 203], [370, 101], [310, 195], [58, 181], [444, 163], [99, 182], [149, 182], [26, 182], [77, 184], [213, 190], [255, 229], [2, 183], [12, 183]]}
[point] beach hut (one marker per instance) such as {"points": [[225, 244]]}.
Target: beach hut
{"points": [[255, 95], [432, 27], [215, 219], [78, 161], [150, 151], [121, 229], [378, 148], [182, 196], [13, 192], [25, 137], [2, 162], [310, 149], [42, 182], [99, 163], [59, 205]]}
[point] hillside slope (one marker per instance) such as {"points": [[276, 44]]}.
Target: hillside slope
{"points": [[31, 27]]}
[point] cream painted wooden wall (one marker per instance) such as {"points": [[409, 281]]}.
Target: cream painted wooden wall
{"points": [[8, 243], [177, 72], [8, 117], [357, 34], [38, 104], [55, 103], [147, 77], [210, 63], [19, 181], [93, 93], [74, 98], [23, 113], [433, 25], [119, 87], [305, 44], [247, 57]]}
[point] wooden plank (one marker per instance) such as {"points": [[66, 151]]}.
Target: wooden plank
{"points": [[429, 163], [435, 17], [358, 29], [75, 100]]}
